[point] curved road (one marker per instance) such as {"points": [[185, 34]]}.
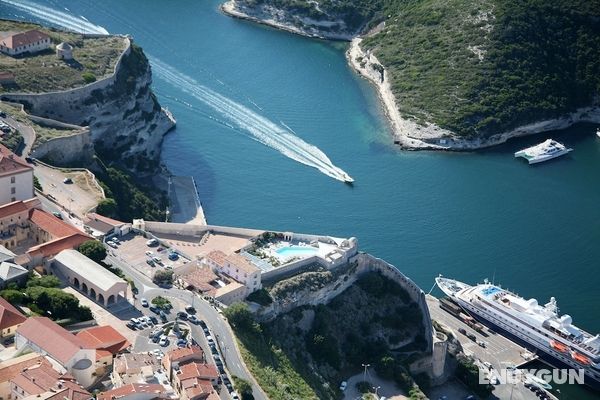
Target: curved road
{"points": [[214, 320]]}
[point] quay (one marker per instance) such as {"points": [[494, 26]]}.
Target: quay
{"points": [[499, 351], [184, 201]]}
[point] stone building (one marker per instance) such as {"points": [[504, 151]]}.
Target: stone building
{"points": [[64, 51], [16, 177], [32, 41]]}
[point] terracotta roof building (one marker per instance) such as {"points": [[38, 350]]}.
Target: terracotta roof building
{"points": [[12, 367], [100, 225], [16, 177], [44, 336], [31, 41], [195, 381], [106, 340], [41, 381], [10, 318], [135, 391], [134, 368], [180, 356]]}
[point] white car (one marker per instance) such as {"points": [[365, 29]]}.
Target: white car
{"points": [[111, 244], [149, 253], [163, 341], [144, 303], [343, 385], [151, 242]]}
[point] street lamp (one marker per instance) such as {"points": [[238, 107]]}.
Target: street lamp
{"points": [[366, 366], [376, 389]]}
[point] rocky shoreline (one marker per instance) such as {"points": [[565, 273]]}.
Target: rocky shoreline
{"points": [[407, 133]]}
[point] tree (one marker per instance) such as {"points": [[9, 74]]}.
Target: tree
{"points": [[14, 297], [107, 207], [239, 316], [243, 387], [161, 302], [48, 281], [163, 277], [94, 250]]}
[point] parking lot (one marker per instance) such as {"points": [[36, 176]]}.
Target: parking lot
{"points": [[134, 251]]}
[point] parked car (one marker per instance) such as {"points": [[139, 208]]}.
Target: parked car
{"points": [[163, 316], [182, 315], [153, 319], [462, 330], [481, 343], [472, 337], [210, 340], [116, 240], [182, 343], [155, 309], [155, 339], [235, 396], [152, 243], [193, 319], [160, 249], [68, 181], [173, 256], [190, 310], [202, 323], [57, 215], [343, 385], [164, 341], [144, 303], [2, 114], [130, 325], [156, 332], [111, 244], [150, 262], [149, 253]]}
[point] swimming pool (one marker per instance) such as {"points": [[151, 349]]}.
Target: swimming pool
{"points": [[296, 251]]}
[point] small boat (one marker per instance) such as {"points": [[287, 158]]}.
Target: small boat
{"points": [[598, 132], [580, 358], [559, 346], [534, 380], [347, 178], [544, 151]]}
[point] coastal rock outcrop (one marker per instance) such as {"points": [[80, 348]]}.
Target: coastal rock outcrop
{"points": [[124, 117]]}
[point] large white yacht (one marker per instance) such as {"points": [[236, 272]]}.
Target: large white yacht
{"points": [[538, 327], [544, 151]]}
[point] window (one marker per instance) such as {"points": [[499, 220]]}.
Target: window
{"points": [[12, 179], [13, 190]]}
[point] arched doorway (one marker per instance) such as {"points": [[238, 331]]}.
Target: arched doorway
{"points": [[111, 300], [84, 288], [100, 298], [93, 293], [76, 283]]}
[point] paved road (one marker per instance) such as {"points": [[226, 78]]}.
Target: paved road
{"points": [[26, 131], [215, 321]]}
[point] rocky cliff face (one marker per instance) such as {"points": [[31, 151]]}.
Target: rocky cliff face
{"points": [[126, 122]]}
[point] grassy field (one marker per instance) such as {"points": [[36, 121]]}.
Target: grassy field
{"points": [[43, 72]]}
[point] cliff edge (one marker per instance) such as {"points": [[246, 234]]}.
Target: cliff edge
{"points": [[126, 122]]}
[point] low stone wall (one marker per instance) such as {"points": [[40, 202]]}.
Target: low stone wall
{"points": [[173, 228]]}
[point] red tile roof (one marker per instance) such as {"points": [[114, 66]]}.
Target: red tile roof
{"points": [[53, 339], [11, 164], [49, 223], [9, 315], [105, 339], [23, 38], [198, 370], [179, 353], [42, 380], [11, 368], [55, 246], [131, 389], [217, 256], [13, 208], [106, 220]]}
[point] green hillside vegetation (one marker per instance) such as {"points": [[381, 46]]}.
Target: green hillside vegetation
{"points": [[307, 352], [479, 67], [94, 58]]}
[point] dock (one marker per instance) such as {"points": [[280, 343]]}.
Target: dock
{"points": [[184, 201], [499, 351]]}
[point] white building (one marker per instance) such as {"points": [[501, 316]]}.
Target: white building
{"points": [[237, 267], [16, 177], [25, 42], [89, 277]]}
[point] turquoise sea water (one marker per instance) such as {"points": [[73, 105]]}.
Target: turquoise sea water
{"points": [[535, 229]]}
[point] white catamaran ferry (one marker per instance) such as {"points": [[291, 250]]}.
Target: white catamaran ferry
{"points": [[543, 152], [538, 327]]}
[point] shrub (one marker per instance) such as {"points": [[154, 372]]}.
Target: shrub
{"points": [[261, 297], [163, 277], [88, 77]]}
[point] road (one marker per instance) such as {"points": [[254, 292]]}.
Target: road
{"points": [[215, 321]]}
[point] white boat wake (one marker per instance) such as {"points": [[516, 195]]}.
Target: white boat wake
{"points": [[277, 136], [58, 18], [257, 126]]}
